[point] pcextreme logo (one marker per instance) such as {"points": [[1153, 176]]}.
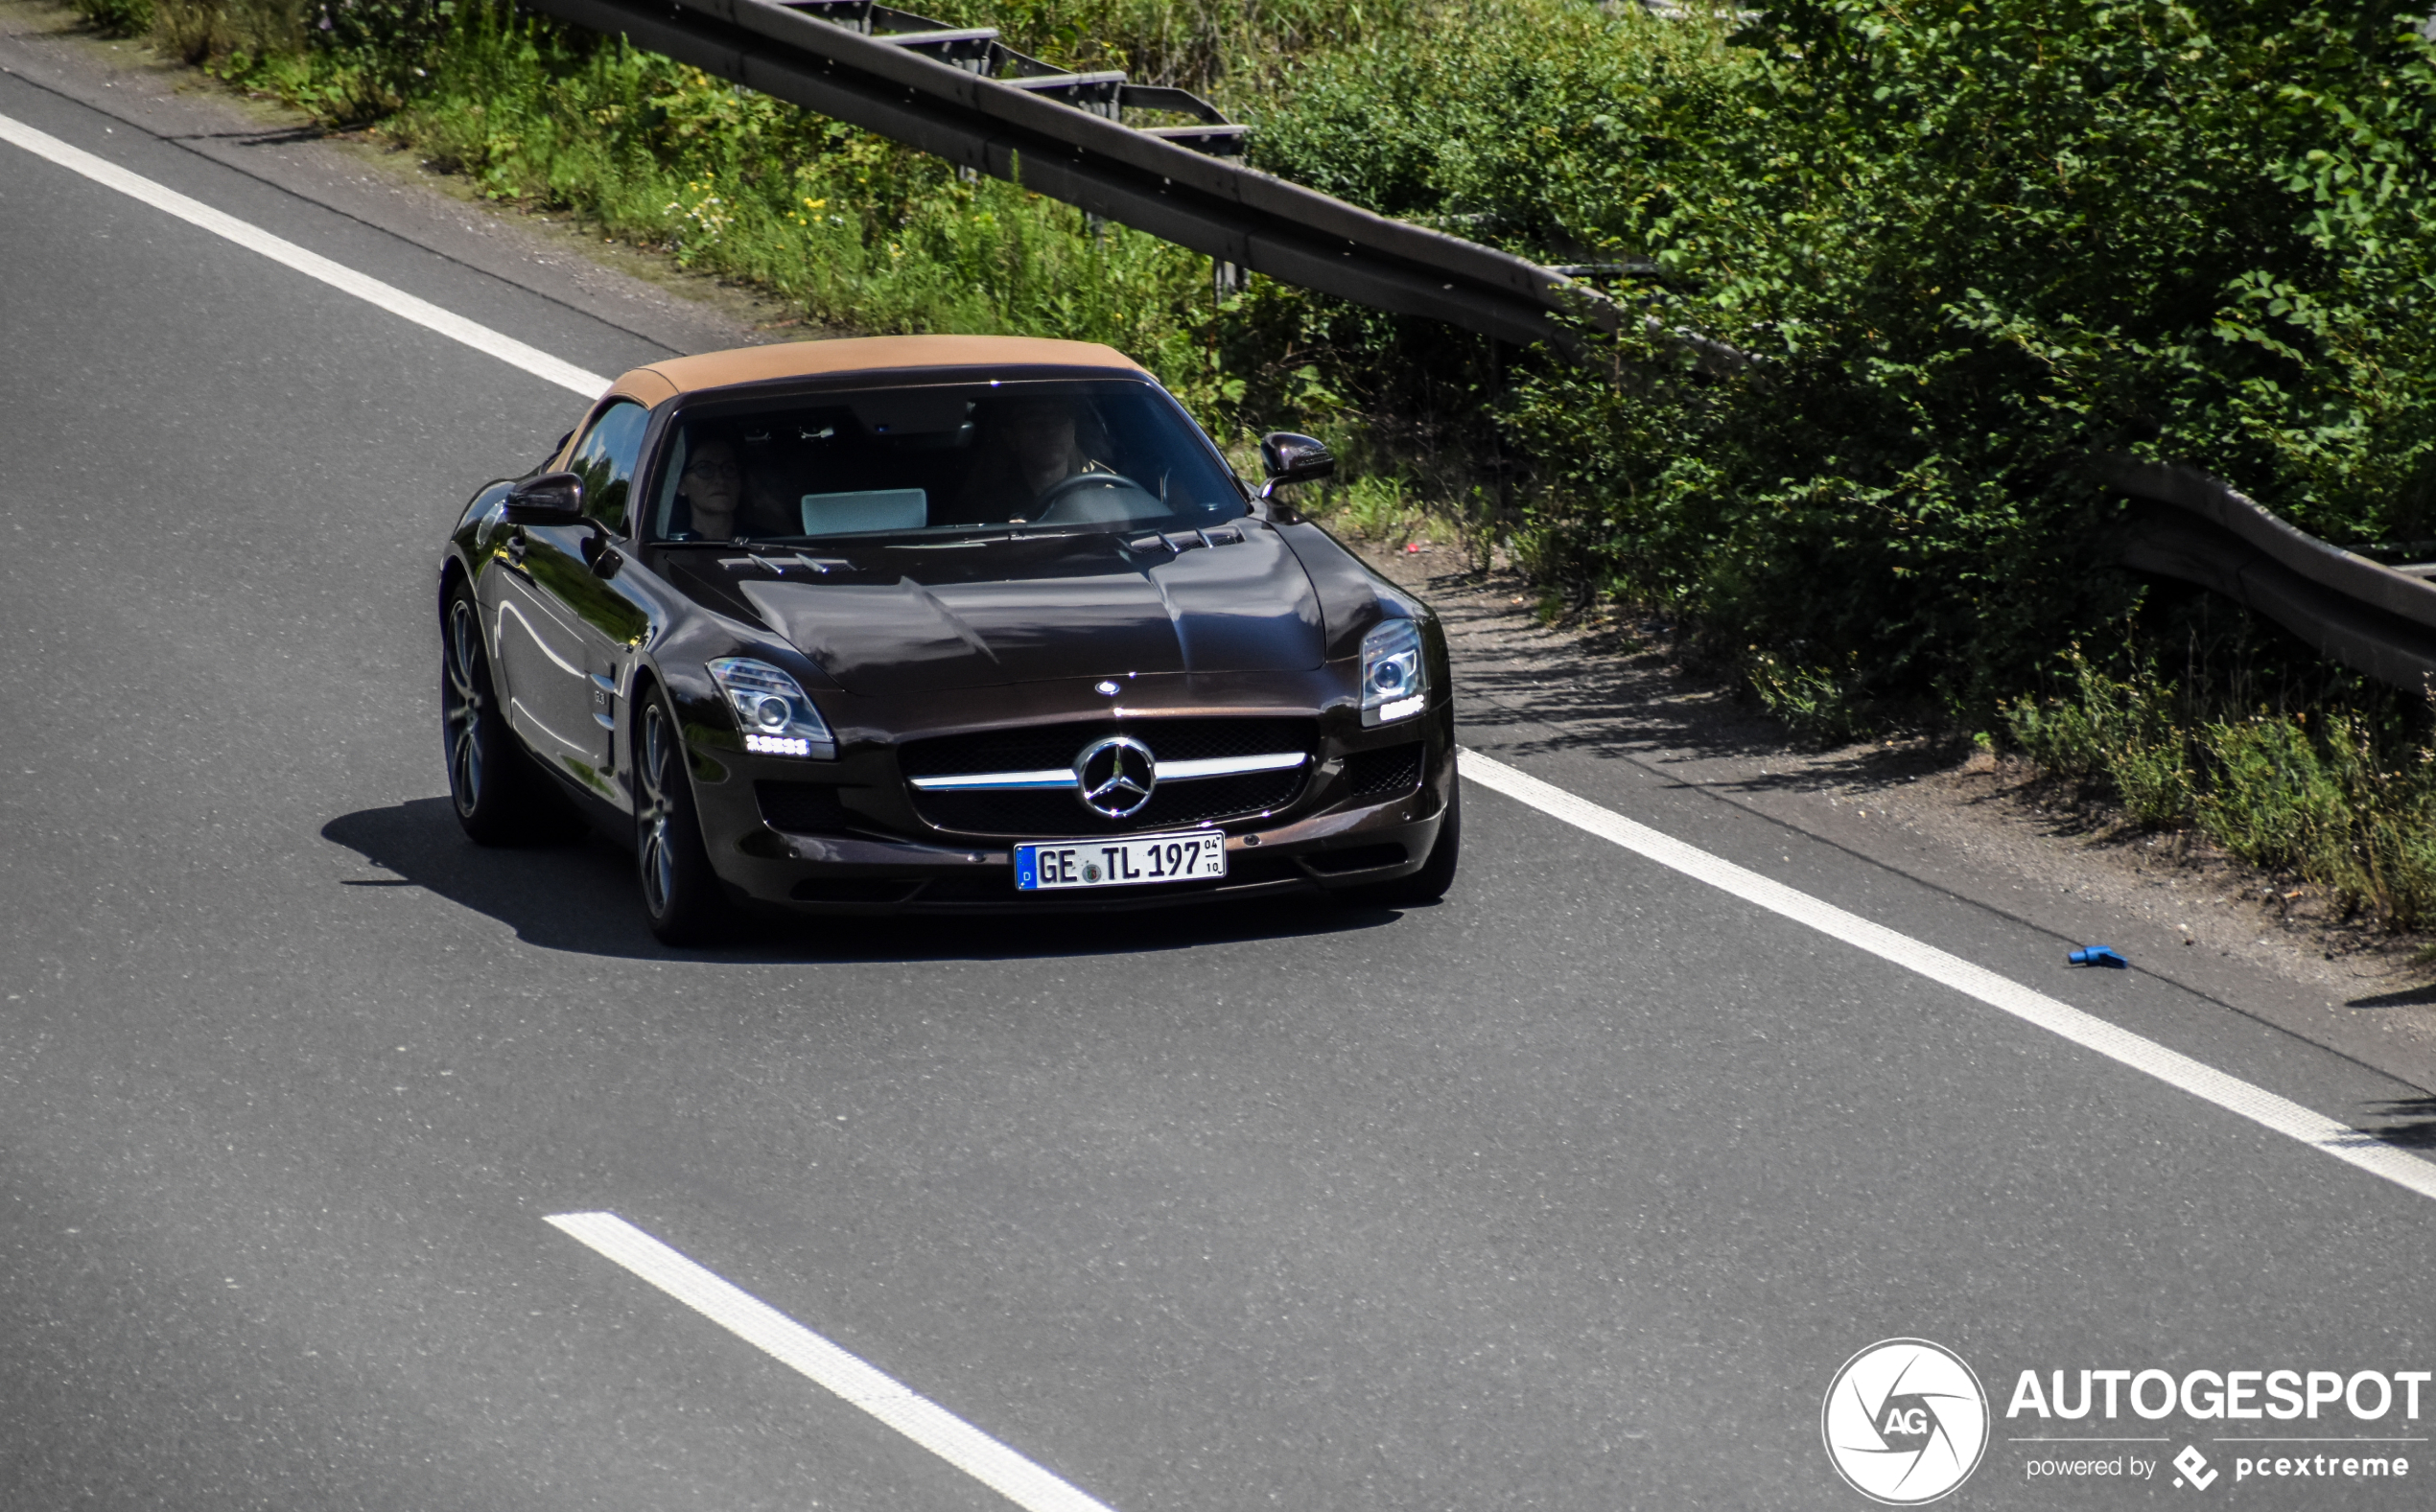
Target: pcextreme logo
{"points": [[1905, 1422]]}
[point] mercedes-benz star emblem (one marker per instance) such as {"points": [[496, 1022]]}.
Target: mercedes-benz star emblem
{"points": [[1114, 777]]}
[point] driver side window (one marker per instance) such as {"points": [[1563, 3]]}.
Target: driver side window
{"points": [[605, 461]]}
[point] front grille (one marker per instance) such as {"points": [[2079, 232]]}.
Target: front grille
{"points": [[1044, 813], [1050, 813], [1036, 748], [1377, 773]]}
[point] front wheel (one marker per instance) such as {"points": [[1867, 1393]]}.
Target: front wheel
{"points": [[680, 893], [499, 799], [1437, 873]]}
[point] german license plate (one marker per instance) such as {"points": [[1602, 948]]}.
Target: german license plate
{"points": [[1044, 865]]}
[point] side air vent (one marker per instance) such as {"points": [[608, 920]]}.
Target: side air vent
{"points": [[800, 809], [1383, 774]]}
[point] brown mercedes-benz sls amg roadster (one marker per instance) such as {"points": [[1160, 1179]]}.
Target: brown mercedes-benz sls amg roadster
{"points": [[937, 625]]}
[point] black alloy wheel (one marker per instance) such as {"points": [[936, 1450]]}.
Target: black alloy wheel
{"points": [[680, 893], [1437, 873], [499, 799]]}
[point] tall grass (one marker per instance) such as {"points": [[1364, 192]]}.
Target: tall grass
{"points": [[2344, 795], [861, 233]]}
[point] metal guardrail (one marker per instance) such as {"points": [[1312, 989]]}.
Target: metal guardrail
{"points": [[961, 94], [980, 50], [2368, 616]]}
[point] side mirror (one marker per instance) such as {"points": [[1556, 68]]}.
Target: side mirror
{"points": [[1291, 458], [553, 498]]}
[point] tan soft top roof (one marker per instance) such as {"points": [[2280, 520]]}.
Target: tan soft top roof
{"points": [[876, 354]]}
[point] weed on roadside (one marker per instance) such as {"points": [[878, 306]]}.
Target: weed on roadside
{"points": [[2342, 795], [1810, 700]]}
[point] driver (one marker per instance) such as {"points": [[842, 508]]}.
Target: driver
{"points": [[1030, 450], [711, 486]]}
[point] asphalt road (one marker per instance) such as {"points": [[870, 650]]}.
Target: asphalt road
{"points": [[1571, 1192]]}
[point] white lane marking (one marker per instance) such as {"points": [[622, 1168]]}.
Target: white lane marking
{"points": [[2087, 1030], [313, 265], [934, 1428]]}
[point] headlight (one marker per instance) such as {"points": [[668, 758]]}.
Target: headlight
{"points": [[775, 718], [1393, 676]]}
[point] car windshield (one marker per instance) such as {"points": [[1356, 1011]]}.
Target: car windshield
{"points": [[941, 458]]}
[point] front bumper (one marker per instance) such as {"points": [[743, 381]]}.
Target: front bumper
{"points": [[875, 855]]}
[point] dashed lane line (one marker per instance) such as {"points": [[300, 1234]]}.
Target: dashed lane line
{"points": [[2087, 1030], [765, 1328], [313, 265]]}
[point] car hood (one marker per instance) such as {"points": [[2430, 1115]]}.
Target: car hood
{"points": [[936, 616]]}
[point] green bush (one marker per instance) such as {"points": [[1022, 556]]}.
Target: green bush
{"points": [[1228, 50], [116, 17], [1810, 700], [1969, 241], [2343, 795], [2370, 841], [2060, 736], [2122, 735], [1377, 506], [2271, 800]]}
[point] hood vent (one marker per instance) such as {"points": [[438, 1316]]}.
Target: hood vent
{"points": [[1183, 541]]}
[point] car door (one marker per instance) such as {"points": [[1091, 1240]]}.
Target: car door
{"points": [[562, 623]]}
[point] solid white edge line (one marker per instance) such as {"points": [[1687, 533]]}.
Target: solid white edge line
{"points": [[2086, 1029], [313, 265], [934, 1428]]}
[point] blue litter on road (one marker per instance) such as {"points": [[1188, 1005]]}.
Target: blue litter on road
{"points": [[2098, 956]]}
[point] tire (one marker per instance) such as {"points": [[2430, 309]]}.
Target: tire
{"points": [[680, 895], [1437, 873], [498, 796]]}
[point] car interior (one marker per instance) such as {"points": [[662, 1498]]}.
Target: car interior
{"points": [[941, 458]]}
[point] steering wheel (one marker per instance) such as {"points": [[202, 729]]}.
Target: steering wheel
{"points": [[1045, 508]]}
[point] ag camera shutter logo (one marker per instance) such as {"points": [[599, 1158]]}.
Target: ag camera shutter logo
{"points": [[1905, 1422]]}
